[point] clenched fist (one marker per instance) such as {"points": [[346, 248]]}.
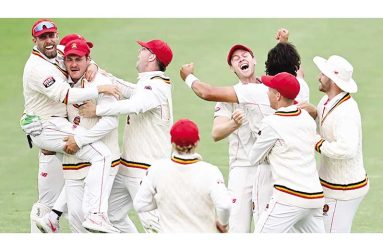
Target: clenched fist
{"points": [[186, 70], [282, 35]]}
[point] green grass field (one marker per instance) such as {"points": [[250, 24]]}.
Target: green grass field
{"points": [[206, 43]]}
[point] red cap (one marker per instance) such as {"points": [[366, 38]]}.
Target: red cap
{"points": [[160, 49], [43, 26], [184, 133], [238, 47], [77, 47], [74, 36], [285, 83]]}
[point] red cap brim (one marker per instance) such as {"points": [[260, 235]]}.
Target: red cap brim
{"points": [[143, 44], [37, 34], [266, 80], [75, 52]]}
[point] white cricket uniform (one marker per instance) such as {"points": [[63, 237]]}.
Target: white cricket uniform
{"points": [[287, 140], [146, 139], [189, 193], [341, 172], [46, 94], [257, 94], [50, 179], [242, 174], [304, 91], [76, 170]]}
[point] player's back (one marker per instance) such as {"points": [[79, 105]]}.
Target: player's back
{"points": [[183, 195]]}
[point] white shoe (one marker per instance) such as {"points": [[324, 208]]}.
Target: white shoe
{"points": [[99, 223], [46, 225]]}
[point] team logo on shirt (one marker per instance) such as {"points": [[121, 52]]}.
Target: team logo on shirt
{"points": [[325, 209], [77, 120], [49, 81]]}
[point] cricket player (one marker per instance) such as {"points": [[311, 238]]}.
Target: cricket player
{"points": [[46, 94], [50, 222], [149, 118], [286, 141], [189, 193], [50, 176], [283, 57], [342, 173], [240, 122], [77, 59]]}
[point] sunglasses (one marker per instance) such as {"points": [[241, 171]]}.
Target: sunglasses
{"points": [[44, 25]]}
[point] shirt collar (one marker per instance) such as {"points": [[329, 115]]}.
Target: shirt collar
{"points": [[149, 74], [287, 109], [193, 156], [335, 99]]}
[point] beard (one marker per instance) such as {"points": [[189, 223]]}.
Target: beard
{"points": [[50, 54]]}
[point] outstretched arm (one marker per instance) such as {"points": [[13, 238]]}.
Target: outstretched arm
{"points": [[206, 91]]}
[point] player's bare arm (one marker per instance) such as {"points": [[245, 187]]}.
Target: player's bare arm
{"points": [[224, 126], [311, 109], [206, 91]]}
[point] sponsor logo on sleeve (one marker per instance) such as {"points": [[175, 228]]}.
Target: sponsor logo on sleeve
{"points": [[49, 81], [148, 87], [217, 108]]}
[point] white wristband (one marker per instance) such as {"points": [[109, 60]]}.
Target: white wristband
{"points": [[190, 79]]}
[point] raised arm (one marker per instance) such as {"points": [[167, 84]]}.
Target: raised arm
{"points": [[206, 91]]}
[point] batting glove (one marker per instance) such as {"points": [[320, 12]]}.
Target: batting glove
{"points": [[31, 125]]}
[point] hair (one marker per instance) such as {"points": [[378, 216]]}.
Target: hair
{"points": [[160, 65], [284, 57], [184, 149]]}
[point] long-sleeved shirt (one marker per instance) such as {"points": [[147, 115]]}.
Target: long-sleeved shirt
{"points": [[287, 140], [242, 139], [190, 194], [147, 128], [103, 128], [45, 87], [341, 170]]}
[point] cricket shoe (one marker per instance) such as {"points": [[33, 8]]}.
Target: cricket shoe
{"points": [[46, 225], [99, 223]]}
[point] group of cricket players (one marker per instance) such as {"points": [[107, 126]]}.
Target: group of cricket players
{"points": [[71, 115]]}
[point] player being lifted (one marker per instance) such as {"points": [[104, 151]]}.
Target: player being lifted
{"points": [[46, 94]]}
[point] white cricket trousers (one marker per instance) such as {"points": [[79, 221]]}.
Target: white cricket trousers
{"points": [[240, 184], [262, 190], [121, 202], [280, 218], [52, 139], [75, 192], [339, 214], [50, 181]]}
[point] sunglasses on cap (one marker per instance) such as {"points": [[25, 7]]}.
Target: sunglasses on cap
{"points": [[43, 25]]}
